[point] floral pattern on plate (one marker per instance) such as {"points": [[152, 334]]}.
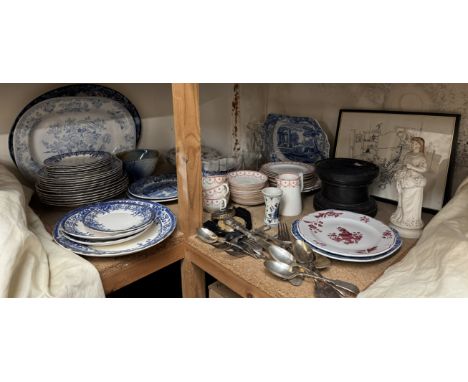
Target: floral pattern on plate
{"points": [[346, 233], [356, 259], [160, 188], [62, 125]]}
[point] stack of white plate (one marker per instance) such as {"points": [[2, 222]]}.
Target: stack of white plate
{"points": [[246, 187], [273, 169], [82, 177], [347, 236], [114, 228], [160, 188]]}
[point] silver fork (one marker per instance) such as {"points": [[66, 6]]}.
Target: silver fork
{"points": [[283, 235]]}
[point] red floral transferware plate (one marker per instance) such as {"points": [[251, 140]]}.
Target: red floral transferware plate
{"points": [[346, 233]]}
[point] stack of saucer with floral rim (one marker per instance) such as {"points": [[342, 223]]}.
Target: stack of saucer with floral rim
{"points": [[246, 187], [347, 236]]}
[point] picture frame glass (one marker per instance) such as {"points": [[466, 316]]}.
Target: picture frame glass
{"points": [[384, 138]]}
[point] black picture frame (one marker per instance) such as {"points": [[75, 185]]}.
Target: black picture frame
{"points": [[359, 135]]}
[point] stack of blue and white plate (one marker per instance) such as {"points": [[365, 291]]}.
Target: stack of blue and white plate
{"points": [[160, 188], [77, 178], [347, 236], [114, 228]]}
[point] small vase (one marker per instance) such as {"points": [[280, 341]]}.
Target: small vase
{"points": [[272, 196]]}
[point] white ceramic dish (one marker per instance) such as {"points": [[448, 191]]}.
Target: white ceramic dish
{"points": [[346, 233]]}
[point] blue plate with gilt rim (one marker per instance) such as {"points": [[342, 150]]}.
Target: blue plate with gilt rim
{"points": [[299, 139], [158, 188], [118, 216], [364, 259], [162, 227]]}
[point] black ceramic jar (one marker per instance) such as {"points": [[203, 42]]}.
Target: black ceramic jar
{"points": [[345, 185]]}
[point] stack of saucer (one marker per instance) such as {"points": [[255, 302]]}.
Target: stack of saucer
{"points": [[246, 187], [114, 228], [82, 177], [273, 169]]}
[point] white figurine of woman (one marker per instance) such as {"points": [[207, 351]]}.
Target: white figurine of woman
{"points": [[410, 183]]}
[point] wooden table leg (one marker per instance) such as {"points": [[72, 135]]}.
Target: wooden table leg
{"points": [[193, 279]]}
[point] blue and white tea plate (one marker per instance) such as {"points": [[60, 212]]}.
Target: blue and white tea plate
{"points": [[364, 259], [298, 139], [163, 226], [157, 188], [118, 216], [63, 125], [106, 242], [74, 224]]}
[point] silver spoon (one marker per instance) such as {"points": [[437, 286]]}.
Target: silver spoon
{"points": [[305, 255], [282, 255], [208, 236], [288, 271]]}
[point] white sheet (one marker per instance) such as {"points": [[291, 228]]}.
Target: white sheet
{"points": [[438, 265], [31, 263]]}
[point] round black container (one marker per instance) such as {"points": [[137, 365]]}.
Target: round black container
{"points": [[345, 185]]}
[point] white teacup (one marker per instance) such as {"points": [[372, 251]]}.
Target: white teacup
{"points": [[212, 205], [213, 181], [218, 192], [292, 186]]}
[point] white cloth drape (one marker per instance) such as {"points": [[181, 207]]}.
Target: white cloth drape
{"points": [[31, 263], [438, 265]]}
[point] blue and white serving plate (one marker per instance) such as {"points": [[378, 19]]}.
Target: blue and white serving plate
{"points": [[163, 225], [298, 139], [106, 242], [118, 216], [68, 124], [157, 188], [363, 259]]}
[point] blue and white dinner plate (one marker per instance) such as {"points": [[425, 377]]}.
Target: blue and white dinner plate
{"points": [[68, 124], [157, 188], [162, 227], [78, 159], [364, 259], [298, 139], [118, 216], [73, 223]]}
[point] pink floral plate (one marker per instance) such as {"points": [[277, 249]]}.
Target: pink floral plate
{"points": [[346, 233]]}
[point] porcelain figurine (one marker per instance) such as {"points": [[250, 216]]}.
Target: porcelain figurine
{"points": [[410, 183]]}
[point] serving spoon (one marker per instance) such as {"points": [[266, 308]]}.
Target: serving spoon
{"points": [[305, 255], [208, 236], [289, 271]]}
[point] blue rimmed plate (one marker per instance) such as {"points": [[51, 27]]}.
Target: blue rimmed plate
{"points": [[63, 125], [162, 227], [298, 139], [78, 159], [364, 259], [118, 216], [157, 188]]}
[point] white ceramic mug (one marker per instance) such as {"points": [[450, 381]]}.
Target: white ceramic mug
{"points": [[213, 181], [291, 200], [272, 196], [217, 192], [212, 205]]}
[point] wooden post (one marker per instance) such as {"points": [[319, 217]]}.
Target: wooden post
{"points": [[188, 157], [188, 160]]}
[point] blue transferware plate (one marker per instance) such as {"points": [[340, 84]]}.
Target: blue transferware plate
{"points": [[80, 90], [74, 224], [163, 225], [79, 159], [160, 188], [63, 125], [364, 259], [118, 216], [298, 139]]}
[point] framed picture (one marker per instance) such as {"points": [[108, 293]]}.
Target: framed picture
{"points": [[384, 138]]}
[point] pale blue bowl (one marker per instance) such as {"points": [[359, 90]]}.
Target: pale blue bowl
{"points": [[139, 163]]}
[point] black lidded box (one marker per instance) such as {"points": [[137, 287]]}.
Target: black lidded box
{"points": [[345, 185]]}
